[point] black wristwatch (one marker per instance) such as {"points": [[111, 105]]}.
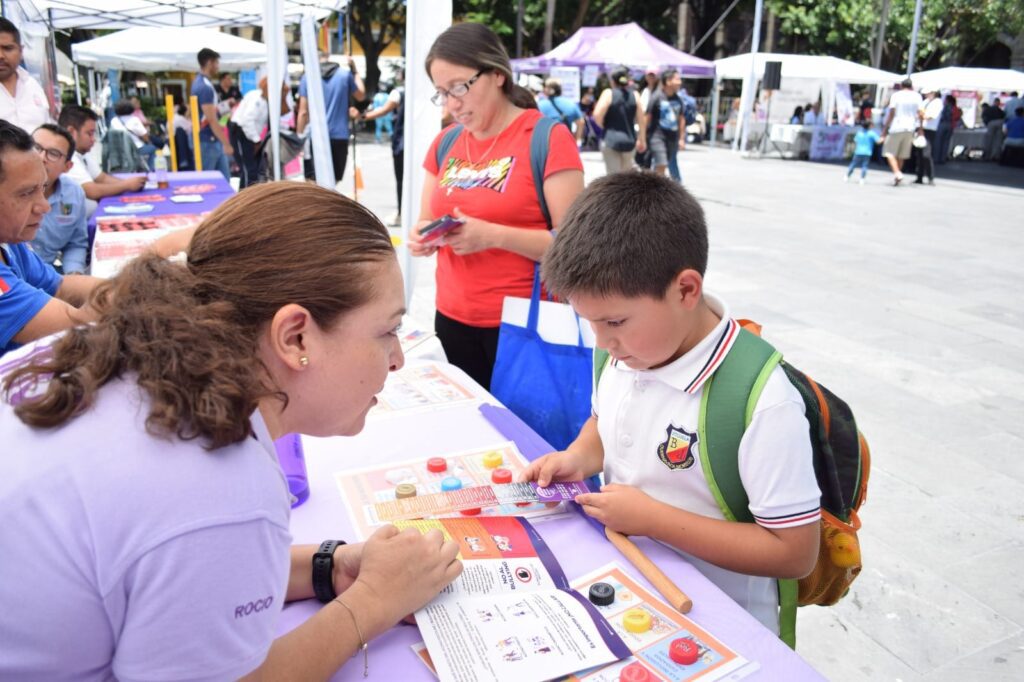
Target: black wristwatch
{"points": [[323, 570]]}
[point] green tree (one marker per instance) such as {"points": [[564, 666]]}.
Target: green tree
{"points": [[951, 30], [375, 24]]}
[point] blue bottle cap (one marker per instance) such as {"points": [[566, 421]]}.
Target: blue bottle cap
{"points": [[451, 483]]}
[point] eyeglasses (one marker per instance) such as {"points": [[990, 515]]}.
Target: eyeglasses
{"points": [[50, 153], [458, 91]]}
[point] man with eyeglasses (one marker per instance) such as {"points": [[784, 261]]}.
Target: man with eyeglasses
{"points": [[35, 301], [62, 235]]}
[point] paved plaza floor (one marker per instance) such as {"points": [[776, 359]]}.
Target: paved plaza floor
{"points": [[908, 302]]}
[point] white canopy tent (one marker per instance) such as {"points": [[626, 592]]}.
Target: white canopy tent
{"points": [[824, 69], [805, 66], [168, 48], [968, 78], [127, 13], [425, 20]]}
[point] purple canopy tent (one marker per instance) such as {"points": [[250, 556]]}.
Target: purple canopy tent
{"points": [[610, 46]]}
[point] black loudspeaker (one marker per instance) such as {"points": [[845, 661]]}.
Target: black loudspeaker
{"points": [[772, 76]]}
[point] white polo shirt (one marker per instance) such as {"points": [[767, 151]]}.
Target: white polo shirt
{"points": [[28, 108], [84, 169], [647, 420]]}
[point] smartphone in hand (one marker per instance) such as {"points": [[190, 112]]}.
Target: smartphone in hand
{"points": [[440, 227]]}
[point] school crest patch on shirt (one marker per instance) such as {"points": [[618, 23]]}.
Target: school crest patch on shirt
{"points": [[676, 452]]}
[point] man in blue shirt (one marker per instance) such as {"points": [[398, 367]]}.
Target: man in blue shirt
{"points": [[63, 233], [563, 109], [215, 147], [338, 85], [34, 300]]}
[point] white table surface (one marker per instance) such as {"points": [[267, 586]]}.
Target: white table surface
{"points": [[575, 543]]}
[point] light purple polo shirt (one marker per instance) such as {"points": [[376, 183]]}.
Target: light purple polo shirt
{"points": [[130, 556]]}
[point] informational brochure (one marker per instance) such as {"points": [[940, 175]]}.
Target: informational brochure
{"points": [[663, 644], [667, 647], [511, 616], [420, 387]]}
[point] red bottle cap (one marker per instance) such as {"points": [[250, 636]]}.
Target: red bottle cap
{"points": [[501, 476], [437, 464], [683, 651], [470, 512], [635, 672]]}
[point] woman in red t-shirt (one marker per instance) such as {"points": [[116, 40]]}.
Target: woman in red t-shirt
{"points": [[486, 180]]}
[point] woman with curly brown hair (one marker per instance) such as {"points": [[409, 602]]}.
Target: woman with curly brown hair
{"points": [[145, 529]]}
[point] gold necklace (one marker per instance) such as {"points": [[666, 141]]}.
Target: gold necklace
{"points": [[489, 149]]}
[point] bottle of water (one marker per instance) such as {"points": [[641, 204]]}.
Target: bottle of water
{"points": [[160, 164]]}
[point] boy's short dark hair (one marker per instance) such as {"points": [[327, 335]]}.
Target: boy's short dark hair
{"points": [[124, 107], [13, 138], [7, 26], [57, 130], [627, 234], [74, 116], [205, 55]]}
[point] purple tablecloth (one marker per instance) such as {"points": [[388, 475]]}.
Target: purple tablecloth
{"points": [[211, 200], [578, 547]]}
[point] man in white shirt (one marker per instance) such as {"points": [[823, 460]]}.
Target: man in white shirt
{"points": [[22, 100], [81, 123], [903, 118], [930, 113]]}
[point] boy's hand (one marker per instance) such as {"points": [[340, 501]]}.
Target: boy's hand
{"points": [[555, 466], [624, 508]]}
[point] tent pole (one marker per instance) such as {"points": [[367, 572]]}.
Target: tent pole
{"points": [[78, 86], [714, 110], [749, 85]]}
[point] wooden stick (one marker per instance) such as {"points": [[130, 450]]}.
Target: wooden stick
{"points": [[675, 597]]}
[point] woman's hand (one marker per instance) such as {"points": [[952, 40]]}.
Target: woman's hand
{"points": [[404, 570], [473, 236], [417, 246], [347, 560]]}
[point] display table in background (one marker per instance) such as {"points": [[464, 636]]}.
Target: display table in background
{"points": [[405, 435], [125, 225]]}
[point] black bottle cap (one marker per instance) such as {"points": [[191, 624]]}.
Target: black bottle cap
{"points": [[602, 594]]}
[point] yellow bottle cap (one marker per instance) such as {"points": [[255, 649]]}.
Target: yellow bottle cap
{"points": [[637, 620], [493, 460]]}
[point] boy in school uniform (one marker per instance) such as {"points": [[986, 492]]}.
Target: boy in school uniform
{"points": [[630, 257]]}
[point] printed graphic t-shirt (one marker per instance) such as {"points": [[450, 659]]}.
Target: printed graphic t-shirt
{"points": [[498, 188]]}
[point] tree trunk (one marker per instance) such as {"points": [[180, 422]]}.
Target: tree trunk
{"points": [[549, 21], [581, 15], [684, 26]]}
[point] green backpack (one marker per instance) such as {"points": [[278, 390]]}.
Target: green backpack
{"points": [[842, 463]]}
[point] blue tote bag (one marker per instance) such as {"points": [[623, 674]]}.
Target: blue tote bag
{"points": [[545, 384]]}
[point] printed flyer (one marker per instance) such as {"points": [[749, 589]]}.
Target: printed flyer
{"points": [[511, 615]]}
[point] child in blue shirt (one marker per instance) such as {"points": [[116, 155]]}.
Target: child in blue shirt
{"points": [[864, 141]]}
